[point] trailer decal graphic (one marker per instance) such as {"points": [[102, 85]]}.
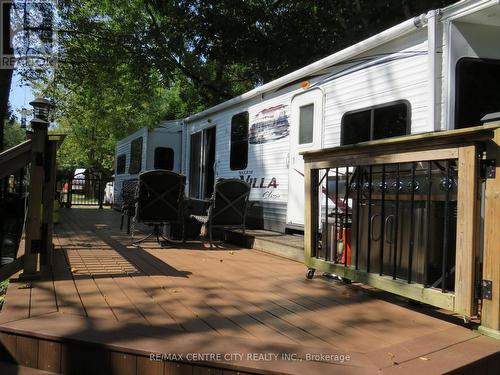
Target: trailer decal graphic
{"points": [[257, 183], [270, 124]]}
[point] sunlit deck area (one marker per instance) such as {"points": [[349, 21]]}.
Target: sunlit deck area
{"points": [[110, 305]]}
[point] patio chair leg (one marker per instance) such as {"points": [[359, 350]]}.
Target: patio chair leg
{"points": [[121, 223], [183, 232], [144, 238], [128, 224], [210, 234]]}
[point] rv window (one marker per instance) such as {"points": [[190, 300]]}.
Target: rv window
{"points": [[477, 90], [239, 141], [378, 122], [121, 161], [390, 121], [356, 127], [164, 158], [306, 124], [135, 156]]}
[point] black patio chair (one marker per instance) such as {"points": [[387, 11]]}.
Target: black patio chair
{"points": [[129, 190], [160, 201], [228, 206]]}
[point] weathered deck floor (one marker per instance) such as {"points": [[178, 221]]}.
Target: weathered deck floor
{"points": [[133, 301]]}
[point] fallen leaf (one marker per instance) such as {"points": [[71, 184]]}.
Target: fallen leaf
{"points": [[424, 358], [391, 357], [74, 270]]}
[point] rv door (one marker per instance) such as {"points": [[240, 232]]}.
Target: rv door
{"points": [[202, 163], [305, 134]]}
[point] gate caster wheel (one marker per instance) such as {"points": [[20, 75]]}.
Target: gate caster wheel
{"points": [[310, 273]]}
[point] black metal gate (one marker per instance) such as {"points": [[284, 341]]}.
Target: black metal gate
{"points": [[85, 190]]}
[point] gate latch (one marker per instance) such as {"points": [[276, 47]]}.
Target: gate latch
{"points": [[488, 168], [487, 289]]}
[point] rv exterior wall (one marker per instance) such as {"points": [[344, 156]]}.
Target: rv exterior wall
{"points": [[167, 135], [123, 148]]}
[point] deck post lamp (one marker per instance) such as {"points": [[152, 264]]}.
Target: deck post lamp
{"points": [[41, 109]]}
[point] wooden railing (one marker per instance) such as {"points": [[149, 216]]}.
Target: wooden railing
{"points": [[403, 215], [38, 154]]}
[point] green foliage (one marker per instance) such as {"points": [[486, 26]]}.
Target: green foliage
{"points": [[13, 134], [129, 64]]}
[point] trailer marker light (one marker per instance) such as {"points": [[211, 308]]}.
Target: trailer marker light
{"points": [[305, 84]]}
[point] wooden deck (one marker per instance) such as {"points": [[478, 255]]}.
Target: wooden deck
{"points": [[110, 305]]}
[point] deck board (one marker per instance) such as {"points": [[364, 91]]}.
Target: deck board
{"points": [[226, 298]]}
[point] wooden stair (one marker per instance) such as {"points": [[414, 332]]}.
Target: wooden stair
{"points": [[284, 245]]}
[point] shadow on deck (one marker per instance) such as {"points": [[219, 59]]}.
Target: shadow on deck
{"points": [[109, 306]]}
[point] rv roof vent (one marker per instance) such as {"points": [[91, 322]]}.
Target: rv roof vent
{"points": [[491, 117]]}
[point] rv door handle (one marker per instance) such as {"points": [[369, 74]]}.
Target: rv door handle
{"points": [[389, 233], [287, 160], [372, 235]]}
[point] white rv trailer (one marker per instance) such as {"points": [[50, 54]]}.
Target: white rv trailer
{"points": [[160, 148], [437, 71]]}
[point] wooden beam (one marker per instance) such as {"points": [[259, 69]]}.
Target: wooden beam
{"points": [[409, 143], [15, 158], [467, 219], [490, 317], [11, 268], [385, 158], [415, 292]]}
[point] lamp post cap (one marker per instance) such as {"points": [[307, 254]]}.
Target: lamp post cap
{"points": [[41, 102]]}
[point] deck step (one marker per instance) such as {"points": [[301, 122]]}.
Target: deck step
{"points": [[284, 245], [81, 345], [7, 368]]}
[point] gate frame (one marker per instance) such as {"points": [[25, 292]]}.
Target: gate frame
{"points": [[466, 145]]}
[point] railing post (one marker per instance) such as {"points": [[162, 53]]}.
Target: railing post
{"points": [[70, 193], [48, 207], [467, 230], [33, 240], [307, 213], [100, 192], [490, 317]]}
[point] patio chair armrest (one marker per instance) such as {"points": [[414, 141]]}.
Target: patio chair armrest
{"points": [[196, 206]]}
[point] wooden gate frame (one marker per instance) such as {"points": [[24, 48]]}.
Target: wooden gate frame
{"points": [[469, 146]]}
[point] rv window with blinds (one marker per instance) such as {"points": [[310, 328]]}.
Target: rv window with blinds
{"points": [[239, 141], [378, 122], [306, 124], [164, 158], [121, 161], [135, 156]]}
